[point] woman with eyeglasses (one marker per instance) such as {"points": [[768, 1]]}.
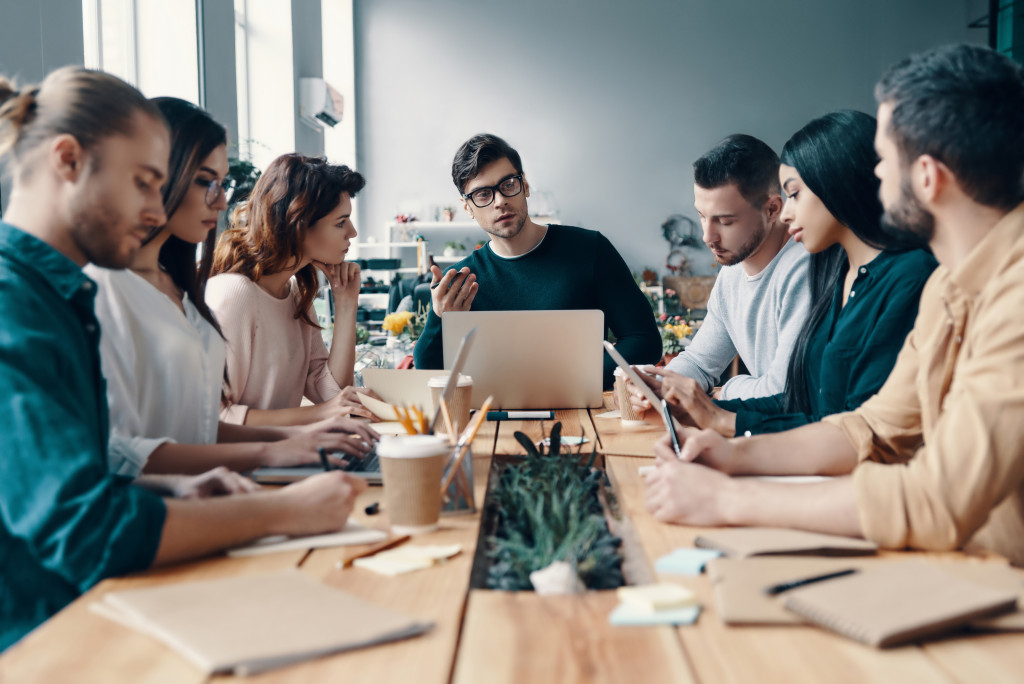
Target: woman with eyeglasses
{"points": [[865, 287], [296, 222], [162, 349]]}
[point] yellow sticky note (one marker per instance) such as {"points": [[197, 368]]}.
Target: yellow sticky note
{"points": [[656, 597]]}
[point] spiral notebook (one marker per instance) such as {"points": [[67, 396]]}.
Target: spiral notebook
{"points": [[897, 603]]}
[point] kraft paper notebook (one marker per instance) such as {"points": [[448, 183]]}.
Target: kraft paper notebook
{"points": [[253, 623], [739, 584], [897, 603], [740, 599], [740, 542]]}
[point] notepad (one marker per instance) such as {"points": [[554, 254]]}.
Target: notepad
{"points": [[740, 542], [739, 585], [407, 558], [653, 598], [626, 615], [897, 603], [352, 534], [253, 623], [685, 561]]}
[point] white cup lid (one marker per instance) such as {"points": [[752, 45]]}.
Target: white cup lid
{"points": [[411, 446], [442, 380]]}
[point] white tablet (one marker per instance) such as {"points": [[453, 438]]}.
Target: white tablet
{"points": [[649, 395]]}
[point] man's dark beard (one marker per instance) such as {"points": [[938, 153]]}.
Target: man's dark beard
{"points": [[748, 248], [907, 221]]}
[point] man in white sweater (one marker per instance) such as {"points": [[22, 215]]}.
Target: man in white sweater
{"points": [[761, 298]]}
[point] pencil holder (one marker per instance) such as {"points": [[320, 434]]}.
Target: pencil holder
{"points": [[458, 497]]}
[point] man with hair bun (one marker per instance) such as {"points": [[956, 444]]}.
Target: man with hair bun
{"points": [[88, 155]]}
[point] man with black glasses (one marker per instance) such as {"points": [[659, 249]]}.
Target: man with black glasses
{"points": [[527, 265]]}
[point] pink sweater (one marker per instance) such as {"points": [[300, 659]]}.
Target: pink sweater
{"points": [[273, 358]]}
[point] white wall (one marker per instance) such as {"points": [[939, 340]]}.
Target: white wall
{"points": [[609, 102]]}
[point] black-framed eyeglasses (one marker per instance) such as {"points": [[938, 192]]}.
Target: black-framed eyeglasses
{"points": [[510, 186], [214, 186]]}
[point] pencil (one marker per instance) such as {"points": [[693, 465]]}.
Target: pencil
{"points": [[465, 442]]}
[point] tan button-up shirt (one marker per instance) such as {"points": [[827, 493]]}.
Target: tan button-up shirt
{"points": [[941, 446]]}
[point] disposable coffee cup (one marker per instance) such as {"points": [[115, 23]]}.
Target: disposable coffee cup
{"points": [[458, 407], [627, 415], [411, 467]]}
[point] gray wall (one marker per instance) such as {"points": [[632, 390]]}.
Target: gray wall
{"points": [[220, 95], [36, 38], [308, 55], [609, 102]]}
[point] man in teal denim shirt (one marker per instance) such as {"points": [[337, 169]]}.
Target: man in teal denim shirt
{"points": [[88, 156]]}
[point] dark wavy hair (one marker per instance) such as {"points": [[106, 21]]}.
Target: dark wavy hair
{"points": [[835, 156], [478, 152], [267, 231], [194, 135]]}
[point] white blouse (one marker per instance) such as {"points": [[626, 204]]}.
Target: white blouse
{"points": [[164, 369]]}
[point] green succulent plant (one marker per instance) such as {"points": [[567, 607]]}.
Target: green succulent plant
{"points": [[549, 510]]}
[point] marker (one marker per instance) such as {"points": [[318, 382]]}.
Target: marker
{"points": [[786, 586], [520, 415]]}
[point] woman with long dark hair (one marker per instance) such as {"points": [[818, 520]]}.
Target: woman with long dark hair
{"points": [[162, 350], [865, 285], [296, 222]]}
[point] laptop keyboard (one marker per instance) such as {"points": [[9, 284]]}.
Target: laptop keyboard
{"points": [[367, 464]]}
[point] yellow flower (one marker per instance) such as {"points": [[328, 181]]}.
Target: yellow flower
{"points": [[680, 331], [395, 323]]}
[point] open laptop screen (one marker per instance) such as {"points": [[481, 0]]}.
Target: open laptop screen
{"points": [[531, 359]]}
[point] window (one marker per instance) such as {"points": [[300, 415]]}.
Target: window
{"points": [[152, 45]]}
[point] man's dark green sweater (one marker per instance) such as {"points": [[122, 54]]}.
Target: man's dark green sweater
{"points": [[571, 268]]}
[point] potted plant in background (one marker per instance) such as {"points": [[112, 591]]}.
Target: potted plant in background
{"points": [[675, 335], [404, 328], [453, 248], [245, 174]]}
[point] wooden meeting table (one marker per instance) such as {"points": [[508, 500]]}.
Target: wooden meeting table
{"points": [[490, 636]]}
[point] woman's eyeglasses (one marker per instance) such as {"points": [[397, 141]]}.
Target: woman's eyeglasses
{"points": [[214, 187]]}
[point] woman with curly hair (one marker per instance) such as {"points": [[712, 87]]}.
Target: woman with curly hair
{"points": [[298, 220]]}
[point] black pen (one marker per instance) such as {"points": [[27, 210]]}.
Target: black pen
{"points": [[323, 458], [793, 584]]}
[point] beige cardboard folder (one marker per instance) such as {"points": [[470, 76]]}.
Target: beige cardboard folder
{"points": [[740, 542], [739, 585], [252, 623], [740, 599], [896, 603]]}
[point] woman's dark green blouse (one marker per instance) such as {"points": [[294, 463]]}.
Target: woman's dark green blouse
{"points": [[857, 344]]}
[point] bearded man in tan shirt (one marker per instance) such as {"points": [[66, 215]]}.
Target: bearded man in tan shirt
{"points": [[935, 460]]}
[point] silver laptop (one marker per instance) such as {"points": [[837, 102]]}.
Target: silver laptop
{"points": [[531, 359]]}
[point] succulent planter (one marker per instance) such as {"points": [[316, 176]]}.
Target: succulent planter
{"points": [[543, 508]]}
